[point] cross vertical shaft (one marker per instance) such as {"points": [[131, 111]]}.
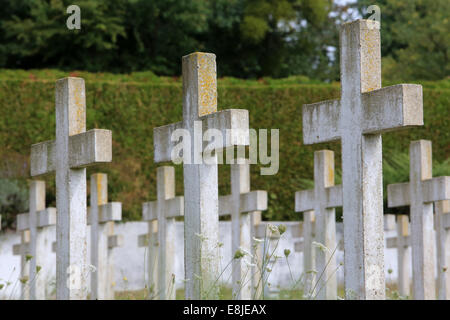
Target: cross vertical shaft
{"points": [[200, 181], [362, 175], [240, 229], [422, 224], [442, 209], [71, 247], [166, 233], [325, 225], [37, 203], [403, 256]]}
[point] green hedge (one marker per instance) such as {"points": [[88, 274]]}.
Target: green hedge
{"points": [[131, 109]]}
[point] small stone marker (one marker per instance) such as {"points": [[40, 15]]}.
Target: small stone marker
{"points": [[149, 241], [443, 248], [68, 155], [419, 194], [34, 222], [309, 254], [23, 250], [241, 204], [164, 210], [201, 222], [364, 111], [402, 242], [101, 217], [323, 200]]}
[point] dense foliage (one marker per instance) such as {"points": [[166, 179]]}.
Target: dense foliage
{"points": [[132, 105], [253, 38]]}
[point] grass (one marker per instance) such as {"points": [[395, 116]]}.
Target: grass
{"points": [[225, 294]]}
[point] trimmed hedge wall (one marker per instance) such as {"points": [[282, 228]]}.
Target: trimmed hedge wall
{"points": [[132, 109]]}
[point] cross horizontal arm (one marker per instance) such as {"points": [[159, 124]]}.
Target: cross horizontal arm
{"points": [[321, 122], [175, 207], [143, 239], [392, 242], [333, 196], [45, 218], [436, 189], [304, 200], [85, 149], [232, 123], [254, 201], [115, 241], [21, 248], [149, 211], [162, 143], [250, 201], [398, 195], [111, 211], [392, 107]]}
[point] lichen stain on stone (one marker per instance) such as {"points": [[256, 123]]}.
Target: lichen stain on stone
{"points": [[207, 84], [370, 63], [78, 99]]}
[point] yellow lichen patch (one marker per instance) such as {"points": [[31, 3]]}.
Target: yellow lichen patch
{"points": [[101, 194], [207, 84], [78, 96], [427, 160], [404, 225], [329, 159], [370, 60]]}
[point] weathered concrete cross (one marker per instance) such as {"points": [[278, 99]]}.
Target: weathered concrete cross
{"points": [[442, 216], [201, 221], [164, 210], [323, 200], [34, 222], [241, 204], [101, 217], [68, 155], [309, 254], [402, 242], [364, 111], [419, 194]]}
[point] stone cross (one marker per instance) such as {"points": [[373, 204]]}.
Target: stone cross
{"points": [[22, 249], [442, 216], [164, 210], [241, 204], [68, 155], [101, 217], [323, 200], [309, 254], [201, 223], [34, 222], [364, 111], [402, 242], [149, 241], [419, 194]]}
